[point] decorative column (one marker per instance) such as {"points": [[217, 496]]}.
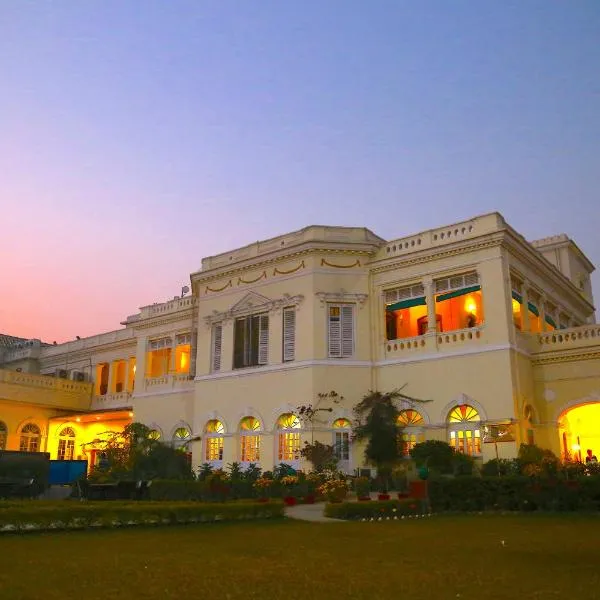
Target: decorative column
{"points": [[111, 377], [140, 361], [430, 299], [525, 324]]}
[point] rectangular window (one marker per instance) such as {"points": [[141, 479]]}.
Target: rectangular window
{"points": [[183, 344], [66, 449], [405, 309], [341, 446], [289, 334], [289, 447], [250, 450], [214, 449], [217, 340], [158, 358], [341, 330], [251, 341], [459, 302]]}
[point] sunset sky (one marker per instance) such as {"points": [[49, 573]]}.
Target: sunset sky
{"points": [[137, 137]]}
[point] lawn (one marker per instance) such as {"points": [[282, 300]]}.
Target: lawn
{"points": [[442, 557]]}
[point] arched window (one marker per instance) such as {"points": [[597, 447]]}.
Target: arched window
{"points": [[341, 439], [66, 444], [288, 438], [30, 438], [410, 423], [3, 435], [465, 435], [214, 441], [181, 436], [249, 440], [154, 434]]}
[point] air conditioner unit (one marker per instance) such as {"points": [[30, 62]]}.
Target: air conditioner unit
{"points": [[77, 375], [62, 373]]}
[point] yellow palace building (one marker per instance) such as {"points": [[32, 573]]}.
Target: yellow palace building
{"points": [[498, 333]]}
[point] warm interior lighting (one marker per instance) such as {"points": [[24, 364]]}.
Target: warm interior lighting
{"points": [[470, 305], [580, 430], [134, 369], [576, 447], [78, 419], [131, 414]]}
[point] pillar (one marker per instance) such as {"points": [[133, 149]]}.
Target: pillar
{"points": [[525, 324], [430, 299], [140, 361]]}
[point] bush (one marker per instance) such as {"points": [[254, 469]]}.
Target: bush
{"points": [[435, 455], [516, 493], [374, 509], [83, 515], [500, 467]]}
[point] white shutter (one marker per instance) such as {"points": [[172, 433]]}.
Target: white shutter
{"points": [[263, 340], [289, 334], [347, 330], [217, 338], [334, 331]]}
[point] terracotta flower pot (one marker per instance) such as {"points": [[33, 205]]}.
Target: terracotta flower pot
{"points": [[364, 498], [403, 496], [310, 499], [289, 501], [383, 497]]}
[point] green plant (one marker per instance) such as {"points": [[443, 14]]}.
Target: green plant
{"points": [[385, 509], [435, 455], [335, 490], [500, 467], [321, 456], [377, 423], [362, 486]]}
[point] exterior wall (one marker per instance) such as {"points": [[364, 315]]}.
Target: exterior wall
{"points": [[504, 373]]}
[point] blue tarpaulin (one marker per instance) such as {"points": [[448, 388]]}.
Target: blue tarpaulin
{"points": [[63, 472]]}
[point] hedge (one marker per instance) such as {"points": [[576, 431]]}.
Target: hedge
{"points": [[516, 493], [373, 509], [83, 515]]}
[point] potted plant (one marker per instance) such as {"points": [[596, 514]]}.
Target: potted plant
{"points": [[289, 483], [263, 487], [362, 487], [335, 490]]}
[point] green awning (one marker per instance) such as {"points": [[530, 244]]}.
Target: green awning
{"points": [[533, 308], [407, 304], [516, 296], [551, 321], [457, 293]]}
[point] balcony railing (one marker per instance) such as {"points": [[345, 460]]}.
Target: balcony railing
{"points": [[433, 342], [169, 382], [564, 339], [111, 401]]}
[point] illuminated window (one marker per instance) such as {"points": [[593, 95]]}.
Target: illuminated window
{"points": [[459, 302], [535, 321], [341, 439], [183, 353], [66, 444], [3, 435], [410, 422], [30, 438], [158, 358], [214, 441], [465, 434], [250, 440], [181, 437], [288, 438], [405, 309], [119, 368], [102, 370], [154, 434]]}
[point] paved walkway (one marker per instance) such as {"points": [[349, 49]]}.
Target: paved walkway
{"points": [[309, 512]]}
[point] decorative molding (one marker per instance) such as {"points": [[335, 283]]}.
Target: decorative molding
{"points": [[277, 271], [325, 262], [565, 358], [227, 285], [251, 303], [241, 281], [341, 296]]}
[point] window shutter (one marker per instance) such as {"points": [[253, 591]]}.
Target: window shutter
{"points": [[334, 332], [347, 330], [217, 335], [263, 340], [289, 334]]}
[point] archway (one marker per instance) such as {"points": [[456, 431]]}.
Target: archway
{"points": [[579, 430]]}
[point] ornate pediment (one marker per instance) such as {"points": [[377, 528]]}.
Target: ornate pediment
{"points": [[342, 296], [253, 303]]}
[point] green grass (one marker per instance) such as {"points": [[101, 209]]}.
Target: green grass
{"points": [[443, 557]]}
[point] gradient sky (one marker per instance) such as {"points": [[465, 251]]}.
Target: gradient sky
{"points": [[137, 137]]}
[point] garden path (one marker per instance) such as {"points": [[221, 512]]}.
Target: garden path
{"points": [[309, 512]]}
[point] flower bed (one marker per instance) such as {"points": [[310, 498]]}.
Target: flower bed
{"points": [[372, 510], [38, 516]]}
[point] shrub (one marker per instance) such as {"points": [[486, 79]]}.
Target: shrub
{"points": [[335, 490], [435, 455], [500, 467], [78, 515], [372, 510], [362, 486]]}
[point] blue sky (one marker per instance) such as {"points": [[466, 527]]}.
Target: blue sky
{"points": [[138, 137]]}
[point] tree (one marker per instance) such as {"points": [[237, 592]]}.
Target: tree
{"points": [[322, 456], [376, 417]]}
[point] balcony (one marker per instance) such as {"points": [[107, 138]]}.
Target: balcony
{"points": [[42, 390], [434, 342], [111, 401], [586, 336], [167, 383]]}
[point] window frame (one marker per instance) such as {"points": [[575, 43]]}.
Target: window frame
{"points": [[254, 339], [350, 349]]}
